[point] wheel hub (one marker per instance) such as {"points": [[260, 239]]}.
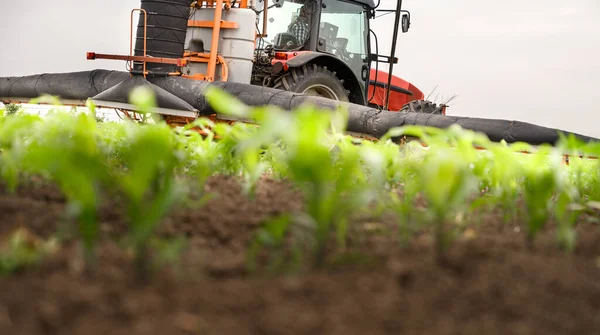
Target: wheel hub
{"points": [[321, 91]]}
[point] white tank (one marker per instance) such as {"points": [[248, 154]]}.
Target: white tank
{"points": [[235, 45]]}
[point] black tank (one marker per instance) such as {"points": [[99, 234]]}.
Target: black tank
{"points": [[166, 31]]}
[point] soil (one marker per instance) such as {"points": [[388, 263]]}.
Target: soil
{"points": [[492, 284]]}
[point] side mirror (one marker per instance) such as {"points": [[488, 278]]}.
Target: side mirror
{"points": [[405, 22]]}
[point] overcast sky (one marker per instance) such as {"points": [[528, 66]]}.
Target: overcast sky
{"points": [[530, 60]]}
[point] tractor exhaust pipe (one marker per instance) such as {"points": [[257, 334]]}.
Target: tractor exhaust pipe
{"points": [[184, 97]]}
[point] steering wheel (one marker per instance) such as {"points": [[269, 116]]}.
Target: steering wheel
{"points": [[285, 41], [339, 48]]}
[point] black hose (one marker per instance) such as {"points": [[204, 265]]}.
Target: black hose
{"points": [[73, 85], [362, 119]]}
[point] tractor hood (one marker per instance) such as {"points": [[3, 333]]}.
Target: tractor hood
{"points": [[401, 91]]}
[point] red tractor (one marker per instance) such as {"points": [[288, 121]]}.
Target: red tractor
{"points": [[314, 47], [323, 47], [263, 54]]}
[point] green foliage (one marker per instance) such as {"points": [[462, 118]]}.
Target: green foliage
{"points": [[11, 109], [21, 250], [427, 183], [64, 149], [13, 132], [540, 185], [454, 171], [271, 237], [148, 184], [88, 161], [336, 176], [145, 177], [446, 181]]}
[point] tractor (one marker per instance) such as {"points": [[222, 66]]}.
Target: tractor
{"points": [[312, 47], [332, 56], [285, 54]]}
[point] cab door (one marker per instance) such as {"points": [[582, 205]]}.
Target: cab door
{"points": [[344, 32]]}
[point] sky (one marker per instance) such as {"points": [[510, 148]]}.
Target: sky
{"points": [[534, 61]]}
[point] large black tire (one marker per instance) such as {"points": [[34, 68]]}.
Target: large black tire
{"points": [[313, 80], [422, 106]]}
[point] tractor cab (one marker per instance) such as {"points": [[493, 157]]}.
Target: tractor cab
{"points": [[322, 47], [334, 27]]}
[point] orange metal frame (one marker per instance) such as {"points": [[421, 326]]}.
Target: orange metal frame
{"points": [[131, 58], [130, 62], [216, 31], [212, 58]]}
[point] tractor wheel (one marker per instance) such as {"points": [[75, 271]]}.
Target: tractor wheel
{"points": [[422, 106], [313, 80]]}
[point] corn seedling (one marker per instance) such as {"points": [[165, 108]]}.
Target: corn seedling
{"points": [[540, 184], [65, 149], [272, 237], [148, 183], [326, 165], [339, 176], [22, 249]]}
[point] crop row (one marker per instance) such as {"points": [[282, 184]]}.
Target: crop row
{"points": [[152, 167]]}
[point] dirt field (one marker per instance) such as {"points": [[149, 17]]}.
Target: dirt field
{"points": [[493, 285]]}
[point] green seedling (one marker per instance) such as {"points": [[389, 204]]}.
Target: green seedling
{"points": [[148, 185], [13, 134], [272, 237], [11, 110], [446, 182], [21, 250], [65, 149], [504, 180], [339, 176], [326, 165], [540, 184], [168, 251], [567, 211]]}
